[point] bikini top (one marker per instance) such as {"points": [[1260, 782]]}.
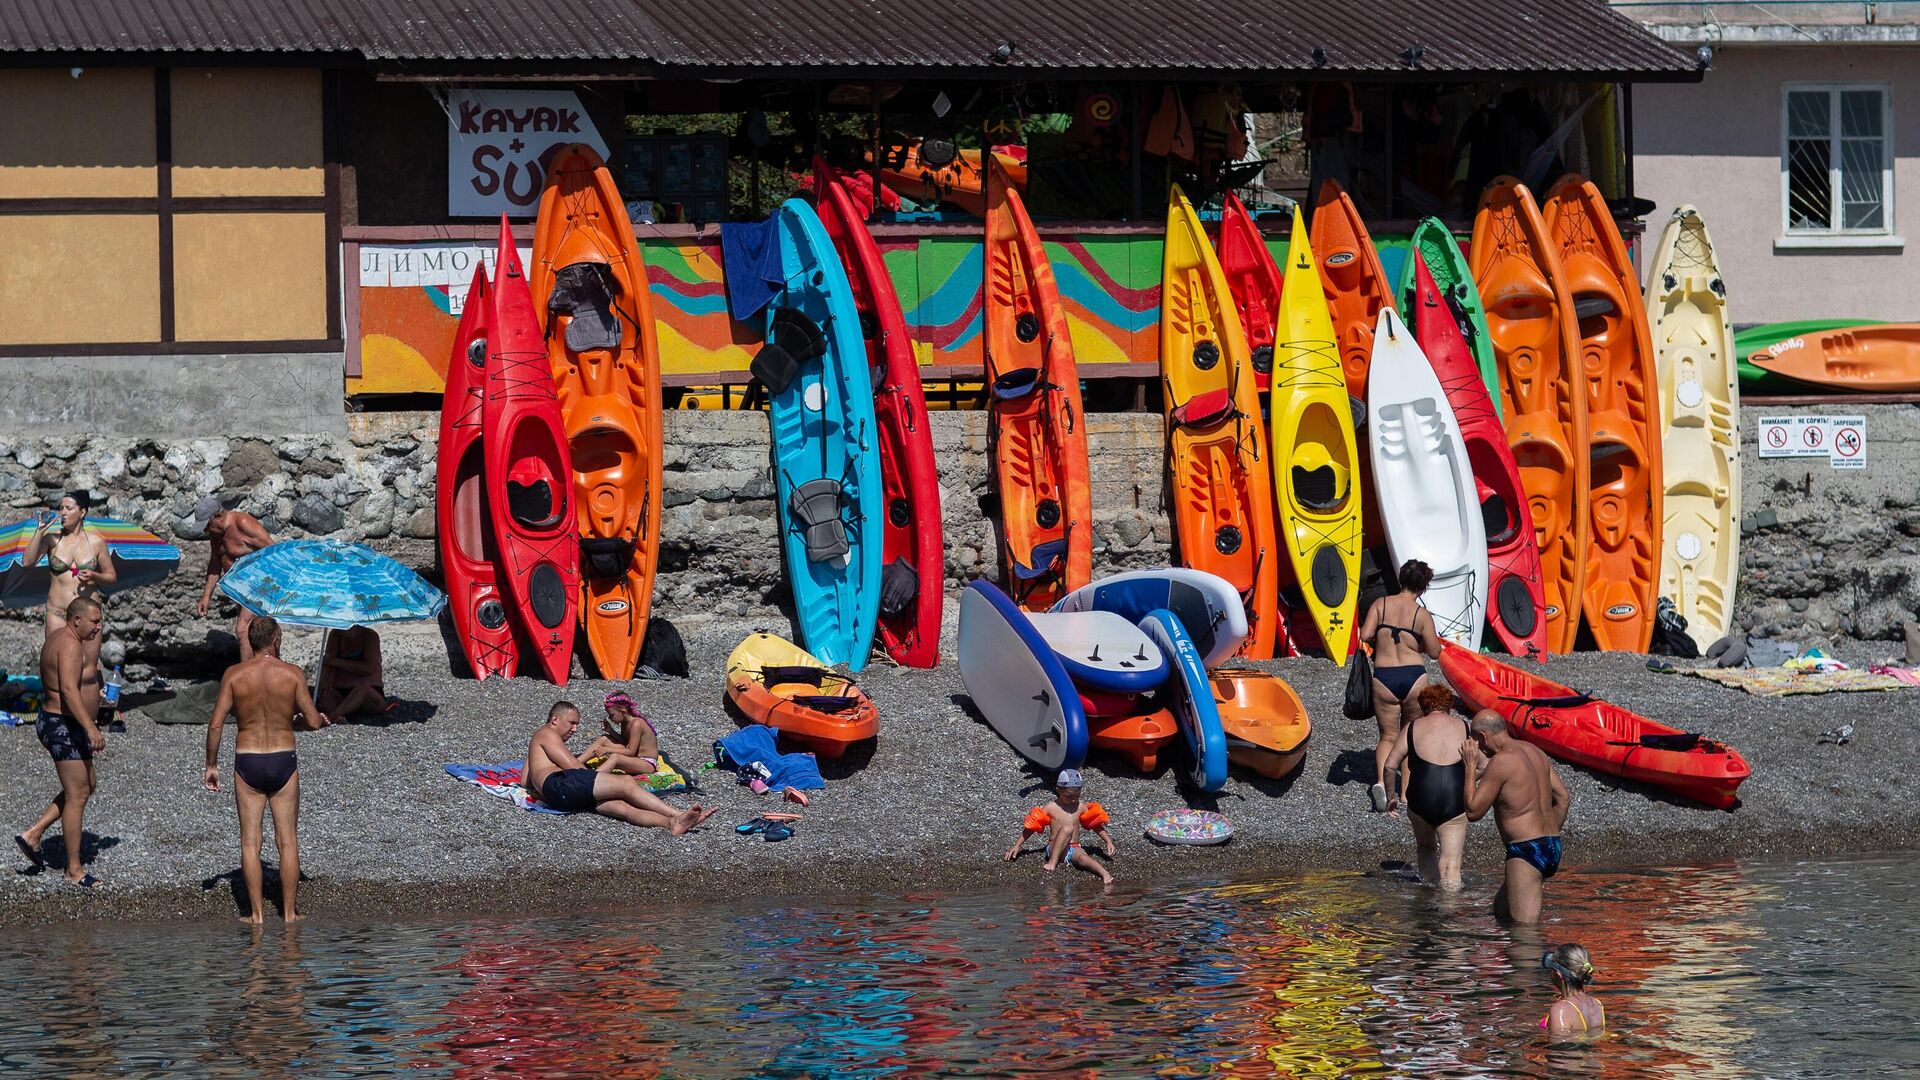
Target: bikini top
{"points": [[61, 566], [1546, 1021], [1396, 631]]}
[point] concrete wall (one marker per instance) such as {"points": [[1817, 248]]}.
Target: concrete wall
{"points": [[1717, 145], [173, 397]]}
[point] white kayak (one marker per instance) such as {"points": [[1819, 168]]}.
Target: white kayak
{"points": [[1207, 605], [1423, 481]]}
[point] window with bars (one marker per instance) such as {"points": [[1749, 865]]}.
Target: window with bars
{"points": [[1836, 166]]}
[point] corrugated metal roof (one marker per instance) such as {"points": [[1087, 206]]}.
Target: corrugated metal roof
{"points": [[1456, 36]]}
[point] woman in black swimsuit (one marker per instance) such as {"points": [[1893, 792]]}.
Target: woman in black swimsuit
{"points": [[1402, 636], [1433, 784]]}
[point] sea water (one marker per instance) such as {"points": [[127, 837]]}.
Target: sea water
{"points": [[1783, 970]]}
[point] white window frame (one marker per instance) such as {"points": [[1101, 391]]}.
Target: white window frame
{"points": [[1837, 237]]}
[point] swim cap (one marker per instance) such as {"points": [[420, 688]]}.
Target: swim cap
{"points": [[1069, 778], [618, 699]]}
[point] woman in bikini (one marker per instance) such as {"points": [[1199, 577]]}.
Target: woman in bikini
{"points": [[1433, 785], [78, 561], [628, 740], [1402, 635], [1576, 1014], [352, 678]]}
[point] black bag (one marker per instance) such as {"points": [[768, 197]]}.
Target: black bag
{"points": [[663, 651], [1359, 702]]}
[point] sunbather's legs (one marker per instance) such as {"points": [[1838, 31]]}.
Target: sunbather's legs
{"points": [[1088, 863], [632, 766], [622, 797]]}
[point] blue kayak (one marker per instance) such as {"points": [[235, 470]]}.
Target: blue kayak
{"points": [[826, 450]]}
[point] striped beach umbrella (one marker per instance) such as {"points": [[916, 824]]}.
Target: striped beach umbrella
{"points": [[330, 583], [139, 557]]}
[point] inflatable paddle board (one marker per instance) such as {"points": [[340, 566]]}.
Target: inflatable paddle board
{"points": [[1316, 464], [1190, 697], [1220, 485], [1700, 422], [1429, 504], [1017, 683], [590, 287], [1535, 334], [1515, 613], [1433, 243], [1208, 605], [1253, 279], [1103, 652], [913, 555], [529, 472], [467, 550], [826, 456], [1623, 418]]}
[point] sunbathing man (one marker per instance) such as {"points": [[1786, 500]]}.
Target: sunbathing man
{"points": [[1529, 804], [627, 742], [558, 779], [68, 730], [230, 535], [265, 695]]}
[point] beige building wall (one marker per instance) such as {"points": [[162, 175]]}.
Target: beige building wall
{"points": [[1717, 145]]}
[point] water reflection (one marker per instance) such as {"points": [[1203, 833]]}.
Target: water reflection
{"points": [[1717, 971]]}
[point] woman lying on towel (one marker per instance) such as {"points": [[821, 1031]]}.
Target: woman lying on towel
{"points": [[628, 742]]}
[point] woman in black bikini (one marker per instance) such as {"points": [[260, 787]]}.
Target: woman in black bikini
{"points": [[1433, 784], [1402, 636]]}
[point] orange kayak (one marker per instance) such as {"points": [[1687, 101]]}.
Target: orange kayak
{"points": [[590, 288], [1357, 288], [1536, 342], [1037, 431], [1137, 739], [772, 681], [1856, 359], [960, 182], [1220, 477], [1266, 725], [1623, 418]]}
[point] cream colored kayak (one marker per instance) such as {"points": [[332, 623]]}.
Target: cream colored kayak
{"points": [[1699, 425]]}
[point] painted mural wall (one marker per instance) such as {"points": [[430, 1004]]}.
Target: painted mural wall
{"points": [[411, 295]]}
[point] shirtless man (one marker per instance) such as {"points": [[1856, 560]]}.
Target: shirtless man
{"points": [[267, 697], [67, 729], [558, 779], [230, 535], [1529, 803]]}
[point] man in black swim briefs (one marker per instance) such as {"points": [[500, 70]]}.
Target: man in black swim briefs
{"points": [[558, 780], [267, 697], [1530, 806], [67, 728]]}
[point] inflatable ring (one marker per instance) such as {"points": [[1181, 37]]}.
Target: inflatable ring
{"points": [[1193, 827]]}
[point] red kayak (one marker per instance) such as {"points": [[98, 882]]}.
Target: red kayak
{"points": [[1594, 734], [1254, 280], [467, 550], [1516, 606], [529, 472], [913, 577]]}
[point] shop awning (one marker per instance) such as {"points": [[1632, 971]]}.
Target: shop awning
{"points": [[1022, 39]]}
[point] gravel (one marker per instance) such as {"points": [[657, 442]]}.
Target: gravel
{"points": [[385, 833]]}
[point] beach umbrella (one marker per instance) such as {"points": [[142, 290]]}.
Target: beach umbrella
{"points": [[330, 583], [140, 557]]}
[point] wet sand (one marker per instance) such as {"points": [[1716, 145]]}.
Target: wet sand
{"points": [[933, 804]]}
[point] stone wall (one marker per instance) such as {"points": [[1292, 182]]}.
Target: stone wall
{"points": [[1826, 553]]}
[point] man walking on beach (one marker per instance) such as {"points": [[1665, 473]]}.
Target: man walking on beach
{"points": [[68, 729], [1529, 803], [558, 779], [230, 535], [264, 694]]}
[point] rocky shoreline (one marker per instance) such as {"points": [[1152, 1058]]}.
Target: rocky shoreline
{"points": [[386, 834]]}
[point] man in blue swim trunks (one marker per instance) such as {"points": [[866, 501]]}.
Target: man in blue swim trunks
{"points": [[1529, 803], [560, 781]]}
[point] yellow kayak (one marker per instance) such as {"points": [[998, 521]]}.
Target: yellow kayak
{"points": [[1313, 452]]}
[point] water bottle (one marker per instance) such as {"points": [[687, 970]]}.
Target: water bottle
{"points": [[110, 695]]}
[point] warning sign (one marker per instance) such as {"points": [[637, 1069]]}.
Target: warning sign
{"points": [[1842, 440]]}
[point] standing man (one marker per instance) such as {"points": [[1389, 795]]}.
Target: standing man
{"points": [[264, 694], [1529, 803], [68, 730], [230, 535]]}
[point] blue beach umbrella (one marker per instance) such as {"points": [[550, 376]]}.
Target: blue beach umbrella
{"points": [[330, 583]]}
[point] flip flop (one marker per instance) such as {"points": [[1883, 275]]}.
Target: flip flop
{"points": [[748, 828], [778, 831], [1378, 793], [87, 882], [775, 816], [28, 850], [794, 795]]}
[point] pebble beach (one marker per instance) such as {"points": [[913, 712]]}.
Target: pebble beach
{"points": [[935, 802]]}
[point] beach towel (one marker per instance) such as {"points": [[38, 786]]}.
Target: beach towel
{"points": [[753, 745], [750, 261], [502, 781], [1780, 682]]}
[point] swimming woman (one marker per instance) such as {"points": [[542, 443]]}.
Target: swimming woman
{"points": [[1433, 784], [1402, 634], [1575, 1014]]}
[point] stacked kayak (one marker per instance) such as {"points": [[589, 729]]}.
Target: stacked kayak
{"points": [[1356, 286], [1761, 342], [1855, 359], [1595, 734]]}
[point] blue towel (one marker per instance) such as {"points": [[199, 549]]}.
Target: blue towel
{"points": [[755, 743], [750, 259]]}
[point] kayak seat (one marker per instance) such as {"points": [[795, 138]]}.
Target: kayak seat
{"points": [[1205, 409], [792, 340], [899, 584], [816, 507], [605, 556], [1318, 489], [1499, 523], [1016, 384], [533, 504], [787, 674], [826, 703], [585, 292], [1044, 557]]}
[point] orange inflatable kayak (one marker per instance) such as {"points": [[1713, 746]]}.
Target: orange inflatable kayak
{"points": [[1857, 359], [590, 288], [1537, 344], [1219, 472], [1357, 288], [1036, 430], [1624, 483]]}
